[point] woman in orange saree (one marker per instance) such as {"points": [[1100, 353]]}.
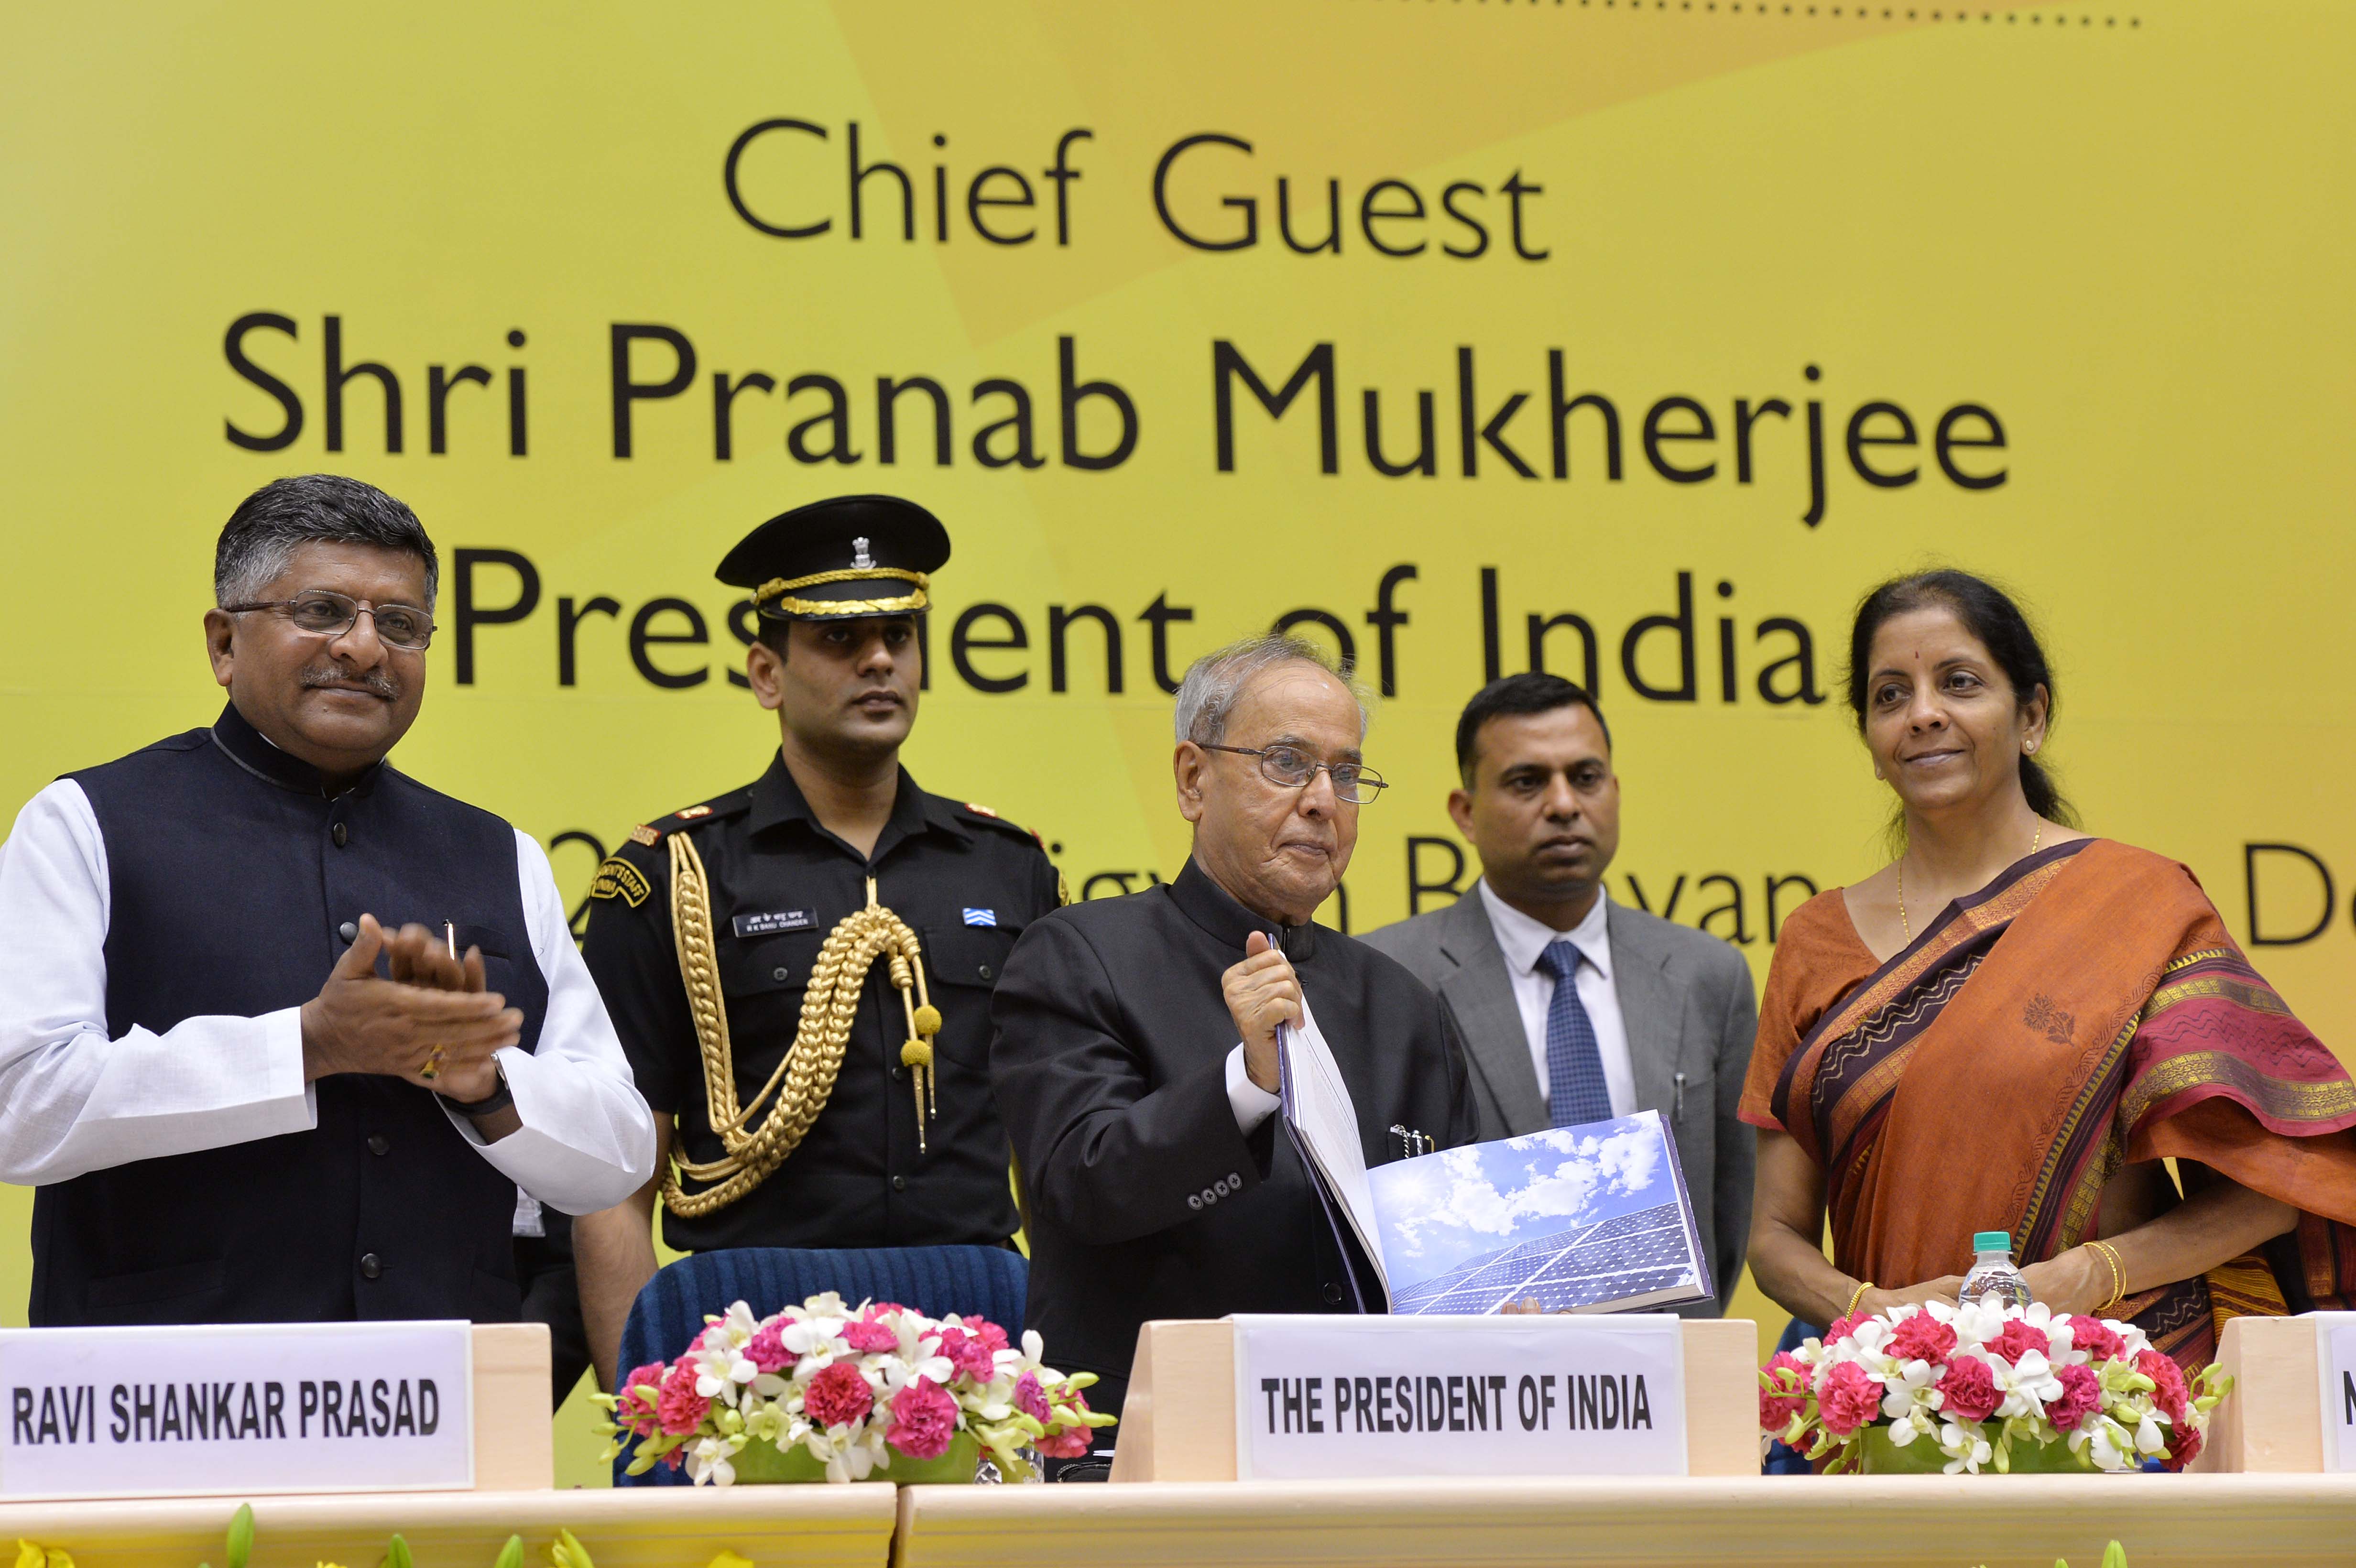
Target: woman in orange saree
{"points": [[2029, 1058]]}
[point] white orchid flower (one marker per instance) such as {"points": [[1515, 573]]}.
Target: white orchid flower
{"points": [[2114, 1448], [825, 1304], [1965, 1449], [2149, 1438], [808, 1336]]}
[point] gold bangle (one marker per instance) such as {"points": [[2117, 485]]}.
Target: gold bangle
{"points": [[1857, 1295], [2110, 1256]]}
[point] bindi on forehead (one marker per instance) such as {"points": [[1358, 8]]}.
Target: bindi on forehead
{"points": [[1928, 639]]}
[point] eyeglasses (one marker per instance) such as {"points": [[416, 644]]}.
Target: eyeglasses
{"points": [[324, 613], [1293, 768]]}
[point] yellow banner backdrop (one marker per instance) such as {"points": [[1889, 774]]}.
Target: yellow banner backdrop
{"points": [[1632, 339]]}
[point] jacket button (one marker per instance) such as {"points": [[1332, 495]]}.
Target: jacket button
{"points": [[370, 1268], [379, 1143], [779, 973], [1193, 1202], [341, 835], [985, 972], [1332, 1294], [898, 1073], [899, 1184], [349, 931]]}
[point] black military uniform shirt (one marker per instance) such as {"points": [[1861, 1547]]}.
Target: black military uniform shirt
{"points": [[965, 881]]}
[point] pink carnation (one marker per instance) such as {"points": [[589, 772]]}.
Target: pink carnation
{"points": [[838, 1396], [1922, 1338], [1073, 1442], [2183, 1447], [1842, 1328], [633, 1410], [1850, 1399], [2082, 1395], [1776, 1410], [1029, 1400], [864, 1336], [923, 1419], [967, 1354], [2091, 1335], [1969, 1385], [678, 1406], [2018, 1340], [992, 1337], [766, 1349], [2168, 1391]]}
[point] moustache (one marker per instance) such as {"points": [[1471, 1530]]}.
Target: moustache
{"points": [[375, 681]]}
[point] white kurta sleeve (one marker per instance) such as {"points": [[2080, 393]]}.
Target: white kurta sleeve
{"points": [[74, 1100], [587, 1139]]}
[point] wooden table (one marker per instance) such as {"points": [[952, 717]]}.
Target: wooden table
{"points": [[803, 1527], [1891, 1521]]}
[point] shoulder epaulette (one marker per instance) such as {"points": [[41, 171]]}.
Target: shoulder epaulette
{"points": [[992, 819], [628, 876], [735, 802]]}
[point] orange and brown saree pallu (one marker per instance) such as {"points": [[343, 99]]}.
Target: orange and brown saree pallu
{"points": [[2084, 1009]]}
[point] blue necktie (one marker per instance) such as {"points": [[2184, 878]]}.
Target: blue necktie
{"points": [[1576, 1094]]}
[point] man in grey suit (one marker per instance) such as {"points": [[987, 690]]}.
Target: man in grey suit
{"points": [[1657, 1016]]}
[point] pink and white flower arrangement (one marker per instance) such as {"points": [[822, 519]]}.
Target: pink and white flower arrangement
{"points": [[852, 1387], [1977, 1379]]}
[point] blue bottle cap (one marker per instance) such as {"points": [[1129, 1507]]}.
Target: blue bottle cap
{"points": [[1992, 1241]]}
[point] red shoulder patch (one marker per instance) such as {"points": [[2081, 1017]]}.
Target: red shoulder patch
{"points": [[980, 810]]}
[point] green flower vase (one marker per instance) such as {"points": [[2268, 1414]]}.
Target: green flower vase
{"points": [[760, 1464], [1922, 1457]]}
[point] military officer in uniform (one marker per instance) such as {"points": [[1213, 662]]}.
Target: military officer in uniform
{"points": [[829, 912]]}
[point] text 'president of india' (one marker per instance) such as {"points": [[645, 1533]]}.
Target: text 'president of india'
{"points": [[1135, 1051]]}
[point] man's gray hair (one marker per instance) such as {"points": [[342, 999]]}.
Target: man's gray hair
{"points": [[1213, 683], [262, 536]]}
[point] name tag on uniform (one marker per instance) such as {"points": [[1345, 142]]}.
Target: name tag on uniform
{"points": [[777, 919], [981, 917]]}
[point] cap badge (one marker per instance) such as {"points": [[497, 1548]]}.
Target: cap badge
{"points": [[859, 559]]}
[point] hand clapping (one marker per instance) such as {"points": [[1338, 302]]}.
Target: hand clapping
{"points": [[361, 1023]]}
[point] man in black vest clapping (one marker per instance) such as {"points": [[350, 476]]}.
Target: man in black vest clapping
{"points": [[232, 1113]]}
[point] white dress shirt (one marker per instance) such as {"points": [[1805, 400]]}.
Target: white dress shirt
{"points": [[1251, 1103], [1522, 939], [72, 1100]]}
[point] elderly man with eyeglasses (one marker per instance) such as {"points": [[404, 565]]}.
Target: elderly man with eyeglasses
{"points": [[231, 1112], [1134, 1058]]}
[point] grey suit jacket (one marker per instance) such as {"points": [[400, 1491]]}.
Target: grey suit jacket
{"points": [[1691, 1017]]}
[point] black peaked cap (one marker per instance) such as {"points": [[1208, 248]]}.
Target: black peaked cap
{"points": [[875, 554]]}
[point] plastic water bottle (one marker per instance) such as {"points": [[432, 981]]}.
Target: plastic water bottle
{"points": [[1992, 1272]]}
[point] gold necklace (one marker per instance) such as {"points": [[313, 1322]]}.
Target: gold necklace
{"points": [[1905, 926]]}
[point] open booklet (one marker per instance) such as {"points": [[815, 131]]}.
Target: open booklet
{"points": [[1585, 1218]]}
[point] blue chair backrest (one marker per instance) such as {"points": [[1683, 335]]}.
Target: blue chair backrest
{"points": [[973, 1282]]}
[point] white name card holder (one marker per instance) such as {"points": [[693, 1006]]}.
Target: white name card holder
{"points": [[251, 1410], [1185, 1416], [2335, 1364], [2271, 1423]]}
